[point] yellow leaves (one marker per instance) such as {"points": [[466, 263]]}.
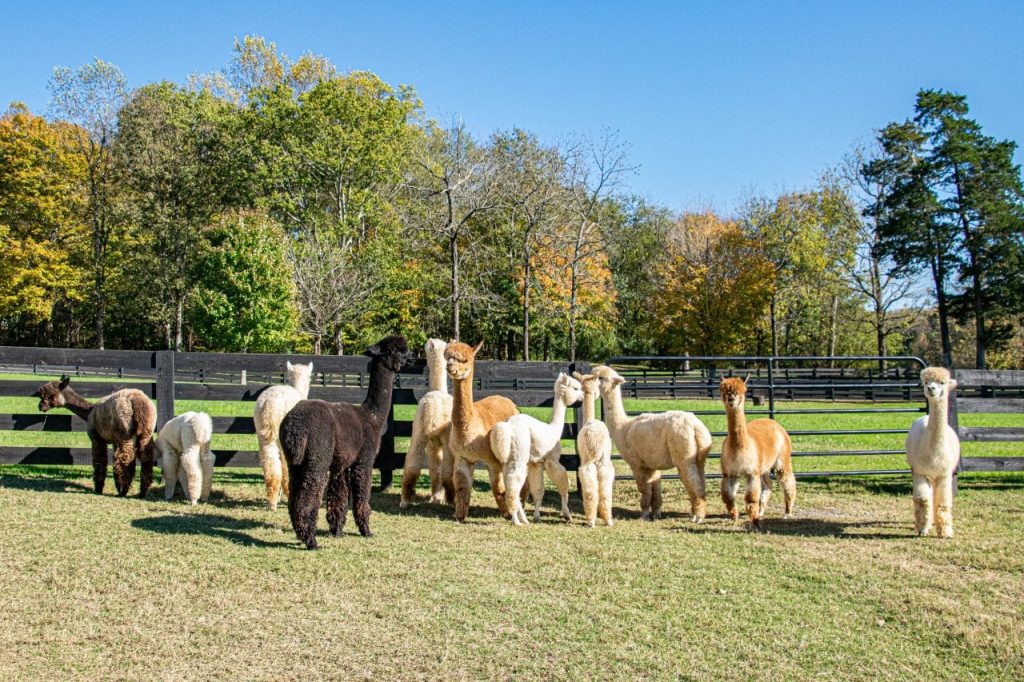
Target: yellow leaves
{"points": [[32, 275]]}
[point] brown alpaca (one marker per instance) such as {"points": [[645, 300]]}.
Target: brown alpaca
{"points": [[125, 418], [468, 438], [753, 450]]}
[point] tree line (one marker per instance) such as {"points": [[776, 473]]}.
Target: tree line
{"points": [[278, 204]]}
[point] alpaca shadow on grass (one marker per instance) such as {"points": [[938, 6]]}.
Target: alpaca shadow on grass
{"points": [[218, 525], [804, 527], [43, 484]]}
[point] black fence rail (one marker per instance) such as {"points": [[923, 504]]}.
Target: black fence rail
{"points": [[986, 391]]}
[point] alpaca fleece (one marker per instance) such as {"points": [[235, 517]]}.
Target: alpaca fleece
{"points": [[332, 447], [752, 451], [933, 451], [125, 418], [185, 457], [429, 443], [271, 407], [594, 446]]}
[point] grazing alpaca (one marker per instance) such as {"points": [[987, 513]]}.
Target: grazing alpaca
{"points": [[753, 450], [933, 450], [185, 457], [125, 418], [527, 446], [271, 407], [468, 440], [430, 431], [651, 443], [594, 445], [338, 442]]}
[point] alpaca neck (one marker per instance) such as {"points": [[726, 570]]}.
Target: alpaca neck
{"points": [[378, 395], [737, 430], [589, 403], [615, 413], [557, 414], [438, 378], [77, 403], [938, 419], [462, 403]]}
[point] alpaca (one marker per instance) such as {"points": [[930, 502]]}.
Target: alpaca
{"points": [[332, 447], [185, 457], [753, 450], [527, 446], [430, 432], [125, 418], [594, 445], [468, 440], [271, 407], [651, 443], [933, 451]]}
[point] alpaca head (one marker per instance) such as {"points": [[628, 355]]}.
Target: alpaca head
{"points": [[608, 379], [391, 352], [51, 394], [734, 391], [459, 358], [298, 375], [434, 348], [568, 390], [588, 382], [937, 383]]}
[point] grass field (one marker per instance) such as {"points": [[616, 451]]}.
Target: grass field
{"points": [[96, 587]]}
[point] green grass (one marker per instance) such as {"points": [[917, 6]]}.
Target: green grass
{"points": [[100, 587]]}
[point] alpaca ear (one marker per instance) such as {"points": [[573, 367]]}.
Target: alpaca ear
{"points": [[577, 376], [310, 365], [618, 381], [64, 381], [952, 384], [288, 365], [477, 347]]}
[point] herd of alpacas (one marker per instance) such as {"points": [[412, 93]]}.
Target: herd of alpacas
{"points": [[329, 448]]}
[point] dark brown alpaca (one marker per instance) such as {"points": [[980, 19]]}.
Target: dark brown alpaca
{"points": [[332, 447], [125, 418]]}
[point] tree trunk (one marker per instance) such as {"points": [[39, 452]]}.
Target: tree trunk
{"points": [[339, 341], [833, 329], [179, 314], [939, 277], [771, 318], [454, 252], [526, 308]]}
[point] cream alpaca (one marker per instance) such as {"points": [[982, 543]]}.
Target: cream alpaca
{"points": [[753, 451], [271, 407], [527, 446], [185, 457], [652, 443], [594, 446], [933, 450], [430, 431]]}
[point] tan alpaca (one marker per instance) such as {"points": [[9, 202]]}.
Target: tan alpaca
{"points": [[430, 431], [468, 438], [651, 443], [933, 450], [594, 445], [752, 451]]}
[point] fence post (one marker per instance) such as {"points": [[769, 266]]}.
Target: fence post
{"points": [[164, 387], [771, 387], [954, 423]]}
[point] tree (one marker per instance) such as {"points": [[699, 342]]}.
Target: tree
{"points": [[90, 97]]}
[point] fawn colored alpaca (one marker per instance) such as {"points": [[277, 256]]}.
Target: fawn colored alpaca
{"points": [[527, 446], [594, 446], [468, 437], [125, 418], [430, 431], [185, 457], [933, 450], [753, 450], [271, 407], [337, 443], [651, 443]]}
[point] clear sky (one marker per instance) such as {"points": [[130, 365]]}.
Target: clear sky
{"points": [[719, 100]]}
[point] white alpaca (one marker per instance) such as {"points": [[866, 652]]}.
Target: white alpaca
{"points": [[594, 445], [652, 443], [430, 431], [933, 450], [185, 457], [526, 447], [271, 407]]}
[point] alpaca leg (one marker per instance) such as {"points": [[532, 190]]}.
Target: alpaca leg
{"points": [[560, 476], [753, 498], [655, 495], [337, 501], [124, 467], [462, 480], [730, 486], [588, 486], [693, 481], [536, 477], [922, 505], [362, 481], [169, 467], [99, 464], [787, 481], [944, 506], [285, 490], [435, 460], [304, 504], [766, 494], [192, 468], [606, 479], [413, 465], [144, 450], [642, 477], [515, 481], [498, 489], [207, 461], [270, 461], [448, 476]]}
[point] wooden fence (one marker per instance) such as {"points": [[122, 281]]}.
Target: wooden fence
{"points": [[988, 391]]}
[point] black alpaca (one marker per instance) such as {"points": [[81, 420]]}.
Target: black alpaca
{"points": [[339, 442]]}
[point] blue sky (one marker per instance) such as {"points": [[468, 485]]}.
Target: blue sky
{"points": [[719, 100]]}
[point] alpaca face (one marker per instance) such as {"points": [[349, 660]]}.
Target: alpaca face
{"points": [[392, 352], [51, 394], [937, 382], [588, 382], [568, 390], [733, 392], [434, 347], [607, 379], [459, 358]]}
